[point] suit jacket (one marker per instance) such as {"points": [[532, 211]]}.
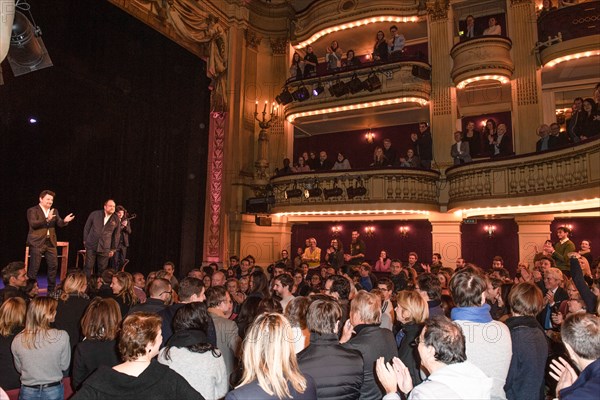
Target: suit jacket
{"points": [[425, 146], [39, 227], [100, 237], [504, 147], [464, 156], [125, 232], [559, 296]]}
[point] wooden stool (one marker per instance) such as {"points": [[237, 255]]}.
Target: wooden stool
{"points": [[63, 255]]}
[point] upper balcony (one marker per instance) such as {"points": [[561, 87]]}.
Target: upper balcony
{"points": [[374, 191], [570, 33], [370, 92], [522, 182], [483, 58]]}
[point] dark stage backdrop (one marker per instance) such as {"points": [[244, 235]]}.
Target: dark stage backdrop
{"points": [[386, 237], [479, 248], [123, 113]]}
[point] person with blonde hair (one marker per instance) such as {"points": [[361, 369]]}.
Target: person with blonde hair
{"points": [[137, 377], [12, 319], [123, 291], [411, 311], [41, 353], [270, 366], [72, 302], [362, 332], [100, 326]]}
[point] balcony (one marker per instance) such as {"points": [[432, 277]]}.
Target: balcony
{"points": [[482, 59], [569, 33], [403, 85], [378, 191], [564, 175]]}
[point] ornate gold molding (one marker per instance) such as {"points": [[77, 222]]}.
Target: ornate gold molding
{"points": [[279, 45], [438, 9], [515, 2], [253, 39]]}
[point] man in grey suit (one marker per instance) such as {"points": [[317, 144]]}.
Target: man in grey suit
{"points": [[41, 239], [460, 151], [101, 236]]}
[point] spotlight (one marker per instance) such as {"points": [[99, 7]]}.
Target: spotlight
{"points": [[339, 89], [355, 85], [291, 193], [301, 94], [315, 192], [335, 192], [372, 82], [318, 89], [27, 50], [356, 192], [285, 97]]}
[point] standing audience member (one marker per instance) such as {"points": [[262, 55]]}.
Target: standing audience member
{"points": [[137, 377], [341, 163], [396, 44], [358, 250], [333, 57], [169, 268], [470, 31], [561, 249], [12, 320], [380, 48], [591, 121], [490, 353], [14, 277], [100, 327], [398, 276], [72, 302], [581, 336], [411, 312], [270, 366], [189, 353], [351, 60], [41, 354], [430, 288], [139, 286], [297, 67], [488, 135], [362, 332], [389, 152], [473, 137], [424, 145], [501, 145], [337, 371], [441, 348], [386, 287], [312, 254], [525, 378], [228, 341], [259, 285], [310, 62], [161, 295], [101, 236], [123, 292], [460, 151]]}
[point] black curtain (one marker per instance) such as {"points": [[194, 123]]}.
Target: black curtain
{"points": [[122, 114]]}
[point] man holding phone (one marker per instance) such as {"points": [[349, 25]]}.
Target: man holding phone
{"points": [[41, 239]]}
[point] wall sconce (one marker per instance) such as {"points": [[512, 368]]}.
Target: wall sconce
{"points": [[370, 136], [404, 231], [369, 230], [569, 226], [490, 229], [336, 230]]}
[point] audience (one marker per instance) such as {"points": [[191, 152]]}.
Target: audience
{"points": [[160, 294], [12, 321], [123, 292], [72, 303], [14, 277], [411, 312], [228, 341]]}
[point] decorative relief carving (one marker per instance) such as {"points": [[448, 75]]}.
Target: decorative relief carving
{"points": [[438, 9], [527, 90], [515, 2], [215, 182], [279, 45], [253, 39]]}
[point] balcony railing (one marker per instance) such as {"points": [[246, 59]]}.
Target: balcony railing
{"points": [[393, 188], [571, 173], [482, 58]]}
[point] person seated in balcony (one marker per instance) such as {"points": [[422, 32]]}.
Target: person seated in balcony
{"points": [[489, 134], [558, 138], [380, 49], [395, 44], [301, 166], [389, 152], [501, 144], [591, 119], [473, 137], [493, 28], [575, 123], [351, 60], [379, 159], [470, 31], [323, 164], [310, 62], [460, 150], [285, 170], [545, 141], [297, 67], [411, 160], [547, 6], [334, 56], [312, 161], [341, 163]]}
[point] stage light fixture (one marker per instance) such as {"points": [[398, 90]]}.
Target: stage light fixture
{"points": [[339, 89], [334, 192], [285, 97], [314, 192], [301, 94], [358, 191], [318, 89], [355, 85], [372, 82], [292, 193], [27, 51]]}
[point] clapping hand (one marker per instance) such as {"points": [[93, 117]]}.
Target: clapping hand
{"points": [[394, 375], [563, 373], [69, 218]]}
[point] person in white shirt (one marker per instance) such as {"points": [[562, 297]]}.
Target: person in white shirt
{"points": [[493, 28]]}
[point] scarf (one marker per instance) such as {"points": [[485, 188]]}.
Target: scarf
{"points": [[473, 314]]}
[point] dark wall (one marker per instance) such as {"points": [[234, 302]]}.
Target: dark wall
{"points": [[581, 229], [479, 248], [386, 237], [120, 113], [353, 144]]}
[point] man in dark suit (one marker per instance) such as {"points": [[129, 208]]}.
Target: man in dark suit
{"points": [[423, 144], [371, 340], [41, 239], [118, 260], [501, 146], [470, 31], [553, 296], [101, 236]]}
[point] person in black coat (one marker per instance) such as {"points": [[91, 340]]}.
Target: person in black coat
{"points": [[525, 379], [72, 303], [338, 372], [412, 311], [41, 239], [12, 320], [423, 145], [14, 277], [380, 49], [362, 332], [101, 236]]}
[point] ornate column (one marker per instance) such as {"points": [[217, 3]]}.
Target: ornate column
{"points": [[446, 237], [534, 230], [526, 81], [443, 112]]}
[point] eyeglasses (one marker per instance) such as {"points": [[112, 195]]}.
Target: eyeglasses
{"points": [[170, 292]]}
